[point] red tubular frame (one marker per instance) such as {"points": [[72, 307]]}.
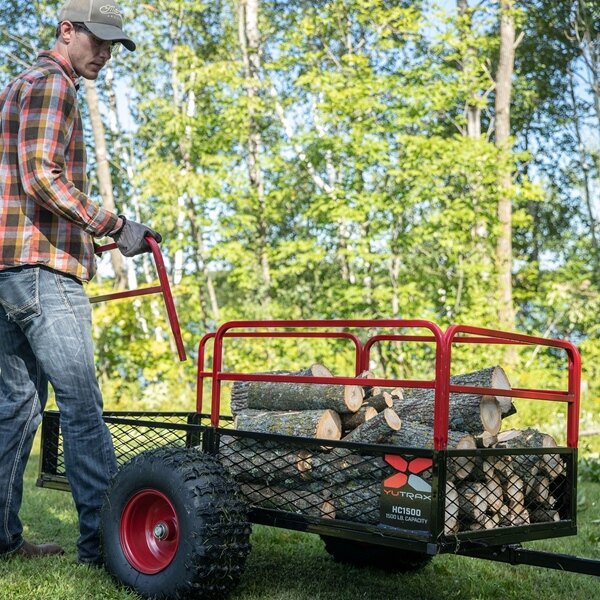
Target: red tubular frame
{"points": [[482, 335], [361, 359], [164, 288], [443, 354]]}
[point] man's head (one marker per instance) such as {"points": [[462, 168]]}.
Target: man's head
{"points": [[87, 31]]}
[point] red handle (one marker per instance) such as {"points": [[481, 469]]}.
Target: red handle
{"points": [[164, 288]]}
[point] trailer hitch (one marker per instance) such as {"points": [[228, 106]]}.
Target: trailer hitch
{"points": [[515, 554]]}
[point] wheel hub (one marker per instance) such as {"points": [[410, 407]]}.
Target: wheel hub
{"points": [[161, 531], [149, 531]]}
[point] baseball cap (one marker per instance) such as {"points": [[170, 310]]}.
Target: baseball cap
{"points": [[102, 17]]}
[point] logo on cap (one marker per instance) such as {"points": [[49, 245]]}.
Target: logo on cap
{"points": [[110, 9]]}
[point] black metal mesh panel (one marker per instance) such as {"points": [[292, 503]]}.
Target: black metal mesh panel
{"points": [[132, 433], [370, 485], [307, 478], [506, 489]]}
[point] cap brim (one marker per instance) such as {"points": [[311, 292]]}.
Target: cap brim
{"points": [[110, 33]]}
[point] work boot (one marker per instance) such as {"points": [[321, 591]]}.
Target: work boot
{"points": [[29, 550]]}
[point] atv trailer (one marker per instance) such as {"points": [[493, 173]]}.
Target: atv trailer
{"points": [[177, 522]]}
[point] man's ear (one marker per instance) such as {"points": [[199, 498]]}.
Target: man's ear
{"points": [[67, 30]]}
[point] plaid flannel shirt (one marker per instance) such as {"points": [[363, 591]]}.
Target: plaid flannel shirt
{"points": [[46, 218]]}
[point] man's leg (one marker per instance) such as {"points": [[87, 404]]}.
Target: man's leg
{"points": [[23, 393], [61, 338]]}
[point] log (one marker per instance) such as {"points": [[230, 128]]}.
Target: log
{"points": [[417, 435], [552, 464], [451, 522], [377, 429], [252, 460], [380, 401], [473, 413], [367, 389], [491, 377], [472, 503], [341, 465], [468, 412], [323, 424], [514, 516], [353, 420], [486, 440], [544, 515], [308, 502], [239, 392], [275, 395], [357, 501]]}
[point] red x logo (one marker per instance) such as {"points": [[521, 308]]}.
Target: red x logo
{"points": [[405, 467]]}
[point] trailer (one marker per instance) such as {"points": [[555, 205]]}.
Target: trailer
{"points": [[177, 518]]}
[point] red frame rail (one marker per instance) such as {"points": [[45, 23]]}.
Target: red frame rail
{"points": [[478, 335], [361, 357], [443, 354], [163, 288]]}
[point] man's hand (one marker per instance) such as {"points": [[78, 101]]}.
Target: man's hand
{"points": [[130, 237]]}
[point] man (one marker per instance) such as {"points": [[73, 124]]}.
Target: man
{"points": [[47, 230]]}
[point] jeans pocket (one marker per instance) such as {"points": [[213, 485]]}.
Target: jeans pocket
{"points": [[19, 293]]}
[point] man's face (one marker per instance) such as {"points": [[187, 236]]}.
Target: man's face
{"points": [[88, 54]]}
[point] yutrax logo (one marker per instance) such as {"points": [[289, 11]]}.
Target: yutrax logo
{"points": [[408, 475]]}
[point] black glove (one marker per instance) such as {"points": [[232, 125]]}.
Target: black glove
{"points": [[130, 238]]}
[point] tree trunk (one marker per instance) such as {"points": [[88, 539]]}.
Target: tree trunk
{"points": [[249, 38], [105, 183], [504, 75], [472, 109]]}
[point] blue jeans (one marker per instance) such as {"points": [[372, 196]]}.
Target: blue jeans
{"points": [[46, 337]]}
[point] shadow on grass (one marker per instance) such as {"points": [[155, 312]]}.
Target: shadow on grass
{"points": [[286, 565]]}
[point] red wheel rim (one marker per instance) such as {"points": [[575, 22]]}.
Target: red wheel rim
{"points": [[149, 531]]}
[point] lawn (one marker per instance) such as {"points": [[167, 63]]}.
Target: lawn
{"points": [[285, 565]]}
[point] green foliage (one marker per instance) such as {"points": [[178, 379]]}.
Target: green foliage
{"points": [[589, 469], [378, 201]]}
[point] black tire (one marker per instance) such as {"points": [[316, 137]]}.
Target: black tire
{"points": [[174, 526], [364, 554]]}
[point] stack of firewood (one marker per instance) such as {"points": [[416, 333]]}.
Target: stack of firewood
{"points": [[341, 483]]}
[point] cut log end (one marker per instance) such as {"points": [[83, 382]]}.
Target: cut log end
{"points": [[392, 419], [353, 397], [491, 415], [329, 426]]}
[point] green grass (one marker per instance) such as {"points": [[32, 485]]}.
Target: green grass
{"points": [[286, 565]]}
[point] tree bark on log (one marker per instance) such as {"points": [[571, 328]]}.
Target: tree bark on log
{"points": [[352, 420], [357, 501], [380, 401], [307, 502], [323, 424], [274, 395], [253, 460], [490, 377], [473, 413], [377, 429], [468, 412], [341, 465]]}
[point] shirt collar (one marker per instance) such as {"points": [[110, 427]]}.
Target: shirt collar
{"points": [[63, 63]]}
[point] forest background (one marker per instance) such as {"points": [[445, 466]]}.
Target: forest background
{"points": [[347, 159]]}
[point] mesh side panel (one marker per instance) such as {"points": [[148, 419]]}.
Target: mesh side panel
{"points": [[305, 478], [505, 490], [137, 433]]}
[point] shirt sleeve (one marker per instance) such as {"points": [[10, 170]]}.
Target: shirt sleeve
{"points": [[48, 109]]}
